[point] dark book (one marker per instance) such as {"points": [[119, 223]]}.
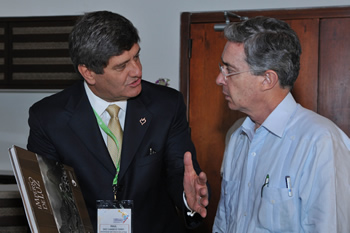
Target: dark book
{"points": [[50, 192]]}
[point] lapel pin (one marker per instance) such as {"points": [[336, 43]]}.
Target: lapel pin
{"points": [[151, 151], [143, 121]]}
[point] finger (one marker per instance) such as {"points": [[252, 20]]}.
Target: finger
{"points": [[188, 162], [204, 201], [202, 178], [202, 211], [203, 190]]}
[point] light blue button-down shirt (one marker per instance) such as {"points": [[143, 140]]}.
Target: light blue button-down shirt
{"points": [[294, 142]]}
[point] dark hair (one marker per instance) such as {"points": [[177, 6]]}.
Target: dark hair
{"points": [[97, 36], [269, 44]]}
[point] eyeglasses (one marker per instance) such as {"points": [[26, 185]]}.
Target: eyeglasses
{"points": [[222, 70]]}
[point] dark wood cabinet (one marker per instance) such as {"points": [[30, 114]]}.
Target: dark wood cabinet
{"points": [[322, 85]]}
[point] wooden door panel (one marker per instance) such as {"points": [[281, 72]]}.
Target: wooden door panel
{"points": [[334, 79], [209, 116], [306, 86]]}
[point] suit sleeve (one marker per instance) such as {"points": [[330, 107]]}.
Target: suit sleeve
{"points": [[38, 141], [179, 141]]}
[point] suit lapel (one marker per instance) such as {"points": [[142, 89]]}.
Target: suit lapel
{"points": [[83, 123], [137, 122]]}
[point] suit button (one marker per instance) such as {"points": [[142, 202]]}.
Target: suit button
{"points": [[120, 188]]}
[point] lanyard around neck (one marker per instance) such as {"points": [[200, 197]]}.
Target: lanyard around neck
{"points": [[109, 133]]}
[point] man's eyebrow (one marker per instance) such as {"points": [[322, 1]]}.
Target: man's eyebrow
{"points": [[120, 65], [138, 53], [123, 63], [228, 64]]}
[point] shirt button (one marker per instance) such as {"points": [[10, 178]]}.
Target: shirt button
{"points": [[253, 153], [249, 184], [273, 201]]}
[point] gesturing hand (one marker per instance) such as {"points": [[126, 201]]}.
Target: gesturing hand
{"points": [[195, 187]]}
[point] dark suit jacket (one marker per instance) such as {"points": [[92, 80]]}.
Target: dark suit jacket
{"points": [[63, 127]]}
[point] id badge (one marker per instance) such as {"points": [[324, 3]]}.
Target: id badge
{"points": [[114, 216]]}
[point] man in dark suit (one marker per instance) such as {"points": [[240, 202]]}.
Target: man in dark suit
{"points": [[158, 168]]}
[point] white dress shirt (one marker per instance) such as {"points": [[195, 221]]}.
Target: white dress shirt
{"points": [[100, 105]]}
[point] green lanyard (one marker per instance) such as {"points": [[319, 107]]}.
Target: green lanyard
{"points": [[109, 133]]}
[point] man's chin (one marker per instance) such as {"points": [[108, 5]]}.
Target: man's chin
{"points": [[232, 106], [135, 91]]}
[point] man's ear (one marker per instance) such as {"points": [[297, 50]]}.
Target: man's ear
{"points": [[87, 74], [270, 79]]}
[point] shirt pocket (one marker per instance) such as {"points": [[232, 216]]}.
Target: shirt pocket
{"points": [[277, 211]]}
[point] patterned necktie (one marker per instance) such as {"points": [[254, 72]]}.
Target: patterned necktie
{"points": [[114, 126]]}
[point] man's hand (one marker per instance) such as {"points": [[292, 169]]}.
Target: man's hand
{"points": [[195, 187]]}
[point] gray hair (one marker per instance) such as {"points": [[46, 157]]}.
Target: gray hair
{"points": [[269, 44]]}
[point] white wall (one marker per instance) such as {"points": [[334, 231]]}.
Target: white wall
{"points": [[158, 22]]}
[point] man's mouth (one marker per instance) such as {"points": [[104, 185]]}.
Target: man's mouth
{"points": [[135, 83]]}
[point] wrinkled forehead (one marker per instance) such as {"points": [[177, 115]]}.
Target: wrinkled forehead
{"points": [[233, 55]]}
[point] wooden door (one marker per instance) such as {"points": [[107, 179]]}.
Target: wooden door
{"points": [[209, 116], [305, 90], [334, 79]]}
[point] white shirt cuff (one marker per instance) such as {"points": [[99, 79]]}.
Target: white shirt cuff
{"points": [[190, 212]]}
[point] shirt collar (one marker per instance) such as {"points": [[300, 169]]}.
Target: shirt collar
{"points": [[277, 121], [100, 105]]}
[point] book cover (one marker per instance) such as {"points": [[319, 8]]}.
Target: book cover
{"points": [[50, 192]]}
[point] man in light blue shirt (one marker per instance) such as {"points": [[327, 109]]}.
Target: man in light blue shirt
{"points": [[285, 169]]}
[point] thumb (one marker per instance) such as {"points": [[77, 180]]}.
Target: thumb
{"points": [[188, 162]]}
